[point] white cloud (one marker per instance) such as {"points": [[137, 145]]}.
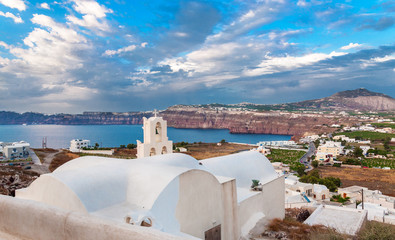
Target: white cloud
{"points": [[277, 64], [68, 92], [67, 34], [18, 4], [119, 51], [89, 21], [90, 7], [209, 58], [144, 44], [93, 16], [384, 59], [17, 19], [45, 6], [4, 45], [181, 34], [376, 60], [52, 51], [302, 3], [351, 45], [260, 13]]}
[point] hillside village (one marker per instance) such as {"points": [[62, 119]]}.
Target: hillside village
{"points": [[298, 163]]}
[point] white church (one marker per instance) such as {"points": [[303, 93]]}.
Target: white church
{"points": [[160, 192]]}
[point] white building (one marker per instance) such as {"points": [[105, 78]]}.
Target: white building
{"points": [[308, 139], [367, 127], [344, 138], [320, 192], [173, 193], [263, 150], [277, 143], [365, 149], [76, 145], [156, 141], [15, 150], [343, 220], [328, 150]]}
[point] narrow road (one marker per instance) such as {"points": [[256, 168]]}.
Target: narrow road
{"points": [[34, 157], [304, 158]]}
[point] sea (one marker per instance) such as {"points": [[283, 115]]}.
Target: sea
{"points": [[59, 136]]}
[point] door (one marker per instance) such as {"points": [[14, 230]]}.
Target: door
{"points": [[213, 233]]}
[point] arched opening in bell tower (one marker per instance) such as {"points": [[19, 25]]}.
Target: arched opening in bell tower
{"points": [[158, 132], [152, 152], [164, 150]]}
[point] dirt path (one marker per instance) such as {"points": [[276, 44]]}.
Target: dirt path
{"points": [[47, 159]]}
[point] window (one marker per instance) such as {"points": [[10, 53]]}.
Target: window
{"points": [[146, 222], [158, 132], [152, 152], [164, 150]]}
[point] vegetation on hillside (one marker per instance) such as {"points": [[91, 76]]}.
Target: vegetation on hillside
{"points": [[285, 156], [366, 135], [384, 125], [313, 176], [290, 157]]}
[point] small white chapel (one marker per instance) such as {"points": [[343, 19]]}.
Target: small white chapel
{"points": [[168, 192]]}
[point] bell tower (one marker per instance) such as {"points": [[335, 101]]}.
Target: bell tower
{"points": [[156, 141]]}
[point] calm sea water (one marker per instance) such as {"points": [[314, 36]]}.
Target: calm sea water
{"points": [[59, 136]]}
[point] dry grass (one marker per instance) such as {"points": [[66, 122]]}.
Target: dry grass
{"points": [[300, 231], [61, 158], [375, 230], [209, 150], [125, 153], [383, 180], [45, 150]]}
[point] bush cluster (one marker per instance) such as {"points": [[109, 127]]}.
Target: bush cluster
{"points": [[331, 183]]}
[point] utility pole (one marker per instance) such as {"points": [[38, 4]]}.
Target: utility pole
{"points": [[362, 199]]}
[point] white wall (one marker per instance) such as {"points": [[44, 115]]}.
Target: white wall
{"points": [[270, 202], [199, 205], [26, 219]]}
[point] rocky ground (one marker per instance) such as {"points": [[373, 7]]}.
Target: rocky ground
{"points": [[208, 150], [12, 178]]}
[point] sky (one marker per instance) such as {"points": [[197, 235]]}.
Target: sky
{"points": [[135, 55]]}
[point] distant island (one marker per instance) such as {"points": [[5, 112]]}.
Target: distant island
{"points": [[298, 119]]}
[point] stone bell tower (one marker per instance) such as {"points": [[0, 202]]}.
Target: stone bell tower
{"points": [[156, 141]]}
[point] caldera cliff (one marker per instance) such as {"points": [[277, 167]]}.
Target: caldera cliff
{"points": [[237, 121]]}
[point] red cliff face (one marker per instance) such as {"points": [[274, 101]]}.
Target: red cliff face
{"points": [[252, 122]]}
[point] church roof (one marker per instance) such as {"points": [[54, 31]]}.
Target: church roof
{"points": [[244, 166], [144, 187]]}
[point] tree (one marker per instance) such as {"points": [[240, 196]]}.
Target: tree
{"points": [[316, 143], [223, 141], [358, 152], [121, 146], [315, 163], [336, 181], [299, 168], [96, 145], [131, 146]]}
